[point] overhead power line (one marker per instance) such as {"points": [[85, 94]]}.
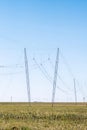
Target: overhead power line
{"points": [[60, 78], [11, 66], [64, 83], [62, 90], [44, 73], [49, 59], [80, 88], [47, 76], [11, 73], [67, 65]]}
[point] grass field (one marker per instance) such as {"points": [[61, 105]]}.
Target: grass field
{"points": [[41, 116]]}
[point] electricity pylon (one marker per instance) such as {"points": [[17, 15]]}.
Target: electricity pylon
{"points": [[55, 77], [27, 75], [75, 91]]}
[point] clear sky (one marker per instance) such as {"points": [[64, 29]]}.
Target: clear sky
{"points": [[42, 26]]}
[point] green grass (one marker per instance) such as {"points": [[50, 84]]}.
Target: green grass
{"points": [[41, 116]]}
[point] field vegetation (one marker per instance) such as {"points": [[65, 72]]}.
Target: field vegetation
{"points": [[41, 116]]}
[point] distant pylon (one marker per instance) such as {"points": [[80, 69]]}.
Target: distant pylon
{"points": [[11, 99], [27, 75], [55, 77], [75, 90]]}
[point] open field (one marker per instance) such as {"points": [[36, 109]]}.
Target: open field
{"points": [[41, 116]]}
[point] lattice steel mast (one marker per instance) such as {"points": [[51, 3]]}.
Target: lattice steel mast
{"points": [[27, 75], [55, 77], [75, 90]]}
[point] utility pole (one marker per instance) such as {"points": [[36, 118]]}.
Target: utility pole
{"points": [[27, 75], [75, 91], [55, 77]]}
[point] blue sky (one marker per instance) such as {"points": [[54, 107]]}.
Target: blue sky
{"points": [[42, 26]]}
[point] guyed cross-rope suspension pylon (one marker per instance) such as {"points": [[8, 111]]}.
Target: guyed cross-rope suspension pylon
{"points": [[55, 77]]}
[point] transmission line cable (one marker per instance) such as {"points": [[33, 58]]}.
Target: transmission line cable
{"points": [[41, 70], [11, 66], [50, 62], [67, 65], [63, 82], [80, 88], [59, 78], [64, 91], [46, 72], [11, 73], [49, 79]]}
